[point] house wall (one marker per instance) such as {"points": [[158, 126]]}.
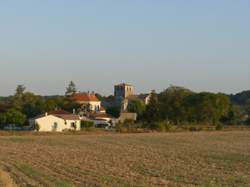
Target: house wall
{"points": [[47, 123], [147, 99], [127, 115], [94, 105]]}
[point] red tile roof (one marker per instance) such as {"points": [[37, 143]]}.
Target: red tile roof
{"points": [[68, 116], [123, 84], [85, 97], [58, 112], [101, 115]]}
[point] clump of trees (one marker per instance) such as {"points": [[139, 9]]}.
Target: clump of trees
{"points": [[17, 109], [178, 106]]}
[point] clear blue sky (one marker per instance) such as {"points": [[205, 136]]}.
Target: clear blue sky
{"points": [[200, 44]]}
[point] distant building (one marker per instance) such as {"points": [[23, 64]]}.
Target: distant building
{"points": [[123, 90], [56, 121], [145, 98], [89, 101]]}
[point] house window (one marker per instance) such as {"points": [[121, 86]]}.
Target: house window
{"points": [[54, 127], [73, 125]]}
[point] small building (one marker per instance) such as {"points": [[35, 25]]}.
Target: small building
{"points": [[145, 98], [56, 121], [124, 93], [89, 101], [126, 116]]}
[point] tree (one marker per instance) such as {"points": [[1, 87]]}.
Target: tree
{"points": [[113, 111], [152, 113], [137, 106], [71, 89], [235, 116], [207, 107], [3, 120], [15, 117], [99, 96], [20, 90], [247, 108], [32, 105], [37, 127], [172, 104], [70, 105]]}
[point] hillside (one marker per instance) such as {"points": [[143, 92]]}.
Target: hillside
{"points": [[242, 98]]}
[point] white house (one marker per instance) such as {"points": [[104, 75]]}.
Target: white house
{"points": [[88, 100], [52, 122]]}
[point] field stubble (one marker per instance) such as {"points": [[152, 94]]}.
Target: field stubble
{"points": [[153, 159]]}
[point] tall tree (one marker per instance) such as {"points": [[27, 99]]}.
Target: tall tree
{"points": [[152, 113], [71, 89], [20, 90]]}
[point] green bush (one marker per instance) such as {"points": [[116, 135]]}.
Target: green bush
{"points": [[121, 128], [87, 124], [194, 128], [219, 127], [37, 127], [164, 126]]}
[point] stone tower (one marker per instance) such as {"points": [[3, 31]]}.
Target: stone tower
{"points": [[123, 90]]}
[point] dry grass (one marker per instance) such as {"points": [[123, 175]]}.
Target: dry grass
{"points": [[154, 159]]}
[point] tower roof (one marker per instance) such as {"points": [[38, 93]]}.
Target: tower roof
{"points": [[123, 84]]}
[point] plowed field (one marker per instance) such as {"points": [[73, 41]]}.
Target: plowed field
{"points": [[153, 159]]}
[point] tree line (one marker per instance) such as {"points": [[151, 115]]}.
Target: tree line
{"points": [[175, 105], [23, 105], [178, 105]]}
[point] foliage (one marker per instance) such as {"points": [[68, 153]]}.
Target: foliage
{"points": [[70, 105], [241, 98], [71, 89], [235, 116], [128, 125], [87, 124], [37, 127], [20, 90], [99, 96], [137, 106], [247, 121], [175, 105], [3, 120], [118, 127], [15, 117], [165, 126], [172, 104], [219, 127], [180, 105], [152, 113], [113, 111]]}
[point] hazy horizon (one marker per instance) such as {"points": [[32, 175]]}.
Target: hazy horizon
{"points": [[200, 45]]}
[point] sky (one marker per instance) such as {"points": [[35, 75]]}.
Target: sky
{"points": [[199, 44]]}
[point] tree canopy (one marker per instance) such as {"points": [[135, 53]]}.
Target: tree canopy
{"points": [[71, 89]]}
